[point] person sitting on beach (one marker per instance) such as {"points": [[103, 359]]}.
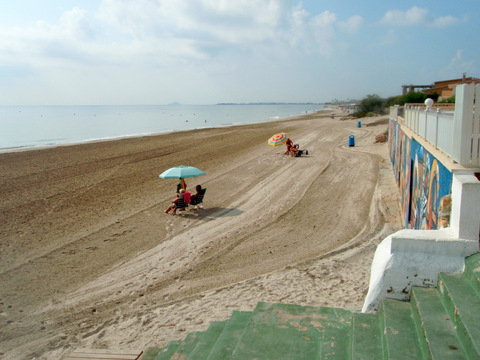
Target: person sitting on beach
{"points": [[289, 146], [180, 198], [194, 197], [181, 185], [296, 152], [186, 197]]}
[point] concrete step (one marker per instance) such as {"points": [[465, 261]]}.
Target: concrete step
{"points": [[151, 353], [280, 331], [336, 341], [231, 334], [337, 334], [207, 341], [366, 337], [399, 333], [472, 270], [186, 346], [165, 353], [462, 303], [438, 323], [436, 329]]}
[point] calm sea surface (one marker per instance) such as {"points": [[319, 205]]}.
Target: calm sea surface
{"points": [[33, 126]]}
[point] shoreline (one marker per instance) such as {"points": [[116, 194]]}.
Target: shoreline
{"points": [[89, 259], [139, 135]]}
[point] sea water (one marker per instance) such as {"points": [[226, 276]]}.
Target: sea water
{"points": [[35, 126]]}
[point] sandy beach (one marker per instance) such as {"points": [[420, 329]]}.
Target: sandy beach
{"points": [[89, 259]]}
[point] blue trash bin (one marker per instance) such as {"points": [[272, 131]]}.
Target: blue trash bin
{"points": [[351, 140], [359, 124]]}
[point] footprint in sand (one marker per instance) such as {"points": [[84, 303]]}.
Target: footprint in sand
{"points": [[169, 227]]}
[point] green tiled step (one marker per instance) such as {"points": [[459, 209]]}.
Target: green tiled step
{"points": [[337, 333], [280, 331], [167, 352], [435, 327], [151, 353], [336, 342], [232, 332], [462, 303], [366, 337], [206, 341], [472, 270], [277, 331], [400, 340], [441, 324], [186, 346]]}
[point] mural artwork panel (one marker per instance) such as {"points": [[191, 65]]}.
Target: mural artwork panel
{"points": [[421, 178]]}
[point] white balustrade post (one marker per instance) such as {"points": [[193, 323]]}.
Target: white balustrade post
{"points": [[394, 112], [465, 215], [476, 129], [425, 125], [462, 124], [416, 115]]}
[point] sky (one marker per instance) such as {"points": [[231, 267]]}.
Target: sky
{"points": [[121, 52]]}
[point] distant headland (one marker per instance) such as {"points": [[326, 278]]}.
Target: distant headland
{"points": [[271, 103]]}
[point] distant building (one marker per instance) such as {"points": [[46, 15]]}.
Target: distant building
{"points": [[351, 106], [444, 89], [410, 88]]}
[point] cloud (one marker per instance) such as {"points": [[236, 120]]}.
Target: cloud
{"points": [[166, 32], [389, 38], [42, 41], [158, 42], [206, 28], [416, 16], [234, 22], [298, 19], [445, 21], [459, 64], [182, 31], [322, 26], [77, 24], [352, 25]]}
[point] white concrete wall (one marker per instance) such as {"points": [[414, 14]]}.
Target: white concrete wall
{"points": [[465, 216], [416, 257]]}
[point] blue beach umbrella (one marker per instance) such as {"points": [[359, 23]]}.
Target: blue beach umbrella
{"points": [[181, 172]]}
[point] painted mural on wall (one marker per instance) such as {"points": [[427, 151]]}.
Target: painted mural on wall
{"points": [[422, 179]]}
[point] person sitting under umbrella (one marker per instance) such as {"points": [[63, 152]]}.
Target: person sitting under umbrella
{"points": [[197, 198], [182, 200], [181, 185], [289, 146], [198, 189], [296, 152]]}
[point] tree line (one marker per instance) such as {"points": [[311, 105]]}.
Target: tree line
{"points": [[374, 104]]}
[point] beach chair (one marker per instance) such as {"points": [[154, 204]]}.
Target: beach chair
{"points": [[197, 203], [180, 205]]}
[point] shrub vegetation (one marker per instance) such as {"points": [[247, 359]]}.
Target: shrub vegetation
{"points": [[374, 104], [370, 105]]}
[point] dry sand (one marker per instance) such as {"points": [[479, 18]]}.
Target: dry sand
{"points": [[89, 259]]}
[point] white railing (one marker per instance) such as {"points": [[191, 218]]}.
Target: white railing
{"points": [[434, 126], [456, 133]]}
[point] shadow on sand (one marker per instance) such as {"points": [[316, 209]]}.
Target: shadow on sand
{"points": [[210, 213]]}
